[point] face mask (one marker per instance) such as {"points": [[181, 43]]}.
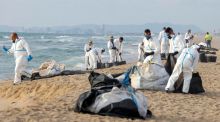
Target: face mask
{"points": [[147, 37]]}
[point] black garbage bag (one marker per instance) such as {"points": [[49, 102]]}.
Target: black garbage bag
{"points": [[97, 80], [170, 64], [109, 97], [195, 85]]}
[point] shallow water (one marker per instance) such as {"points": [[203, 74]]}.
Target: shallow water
{"points": [[67, 49]]}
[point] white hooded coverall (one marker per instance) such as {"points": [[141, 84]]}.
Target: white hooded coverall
{"points": [[112, 52], [164, 42], [140, 52], [176, 44], [95, 56], [186, 63], [119, 46], [152, 46], [188, 36], [21, 50], [87, 48]]}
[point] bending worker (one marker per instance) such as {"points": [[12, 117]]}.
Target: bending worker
{"points": [[87, 48], [141, 51], [112, 49], [22, 54], [186, 63], [119, 45], [164, 43], [175, 42], [95, 56]]}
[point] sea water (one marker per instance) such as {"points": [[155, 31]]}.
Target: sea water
{"points": [[63, 48]]}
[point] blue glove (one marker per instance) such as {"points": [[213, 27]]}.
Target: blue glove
{"points": [[29, 58], [5, 49]]}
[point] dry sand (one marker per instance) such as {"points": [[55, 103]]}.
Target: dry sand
{"points": [[53, 99]]}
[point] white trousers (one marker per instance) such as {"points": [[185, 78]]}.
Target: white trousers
{"points": [[92, 61], [112, 54], [187, 75], [87, 60], [118, 57], [20, 66]]}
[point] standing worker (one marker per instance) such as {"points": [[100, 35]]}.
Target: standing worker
{"points": [[164, 43], [141, 51], [95, 56], [112, 49], [186, 64], [175, 42], [208, 39], [151, 48], [119, 45], [87, 48], [22, 54], [189, 38]]}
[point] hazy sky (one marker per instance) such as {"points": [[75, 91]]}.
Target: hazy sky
{"points": [[203, 13]]}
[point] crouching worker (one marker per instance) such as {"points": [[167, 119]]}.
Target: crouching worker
{"points": [[22, 54], [95, 56], [186, 64]]}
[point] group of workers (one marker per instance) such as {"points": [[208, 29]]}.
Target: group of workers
{"points": [[94, 55], [187, 55], [150, 50]]}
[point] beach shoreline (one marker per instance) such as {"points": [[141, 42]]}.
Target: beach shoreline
{"points": [[53, 99]]}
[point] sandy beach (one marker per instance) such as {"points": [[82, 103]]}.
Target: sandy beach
{"points": [[53, 99]]}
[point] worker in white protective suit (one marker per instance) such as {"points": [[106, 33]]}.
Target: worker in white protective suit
{"points": [[87, 48], [95, 56], [151, 48], [189, 38], [153, 74], [119, 45], [164, 43], [186, 64], [112, 50], [22, 54], [141, 52], [176, 43]]}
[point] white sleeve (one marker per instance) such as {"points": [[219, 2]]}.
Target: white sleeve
{"points": [[26, 47], [11, 50]]}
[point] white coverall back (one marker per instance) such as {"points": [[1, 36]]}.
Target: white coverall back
{"points": [[186, 63], [163, 42], [95, 56], [87, 48], [21, 50], [119, 46]]}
